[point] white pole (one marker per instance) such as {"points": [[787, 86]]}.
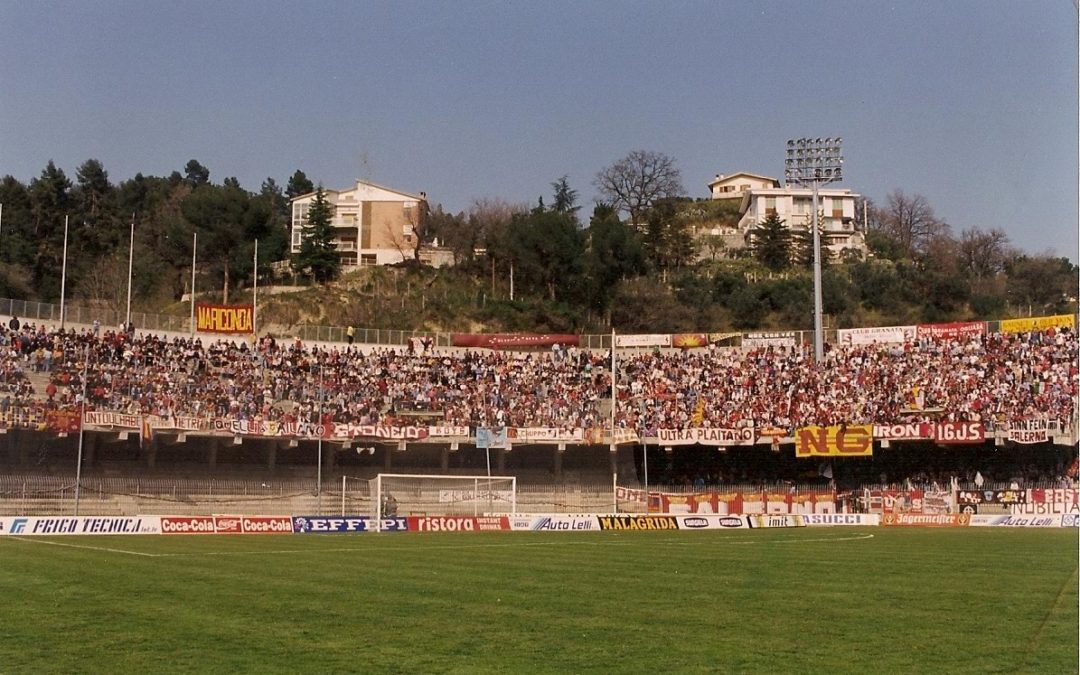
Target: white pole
{"points": [[614, 492], [63, 274], [343, 496], [1, 216], [131, 259], [511, 280], [318, 424], [82, 435], [645, 459], [194, 248], [819, 336], [255, 292]]}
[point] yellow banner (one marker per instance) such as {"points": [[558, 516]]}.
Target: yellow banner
{"points": [[1038, 323], [850, 441]]}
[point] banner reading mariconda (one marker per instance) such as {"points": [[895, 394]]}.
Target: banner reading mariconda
{"points": [[224, 318]]}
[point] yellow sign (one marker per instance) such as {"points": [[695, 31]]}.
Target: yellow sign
{"points": [[1038, 323], [842, 441]]}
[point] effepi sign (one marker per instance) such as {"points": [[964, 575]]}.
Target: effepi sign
{"points": [[346, 524]]}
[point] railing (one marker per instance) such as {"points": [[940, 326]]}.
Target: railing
{"points": [[74, 314]]}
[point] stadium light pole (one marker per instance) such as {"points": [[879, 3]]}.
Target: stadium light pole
{"points": [[194, 249], [815, 162], [82, 432], [63, 275], [318, 425], [131, 259]]}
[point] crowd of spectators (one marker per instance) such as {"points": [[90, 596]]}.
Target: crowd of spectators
{"points": [[990, 378]]}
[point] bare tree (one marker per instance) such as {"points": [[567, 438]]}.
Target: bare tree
{"points": [[635, 182], [984, 254], [910, 220]]}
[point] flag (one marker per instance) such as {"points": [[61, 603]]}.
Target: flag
{"points": [[979, 479], [494, 437], [146, 432], [699, 412]]}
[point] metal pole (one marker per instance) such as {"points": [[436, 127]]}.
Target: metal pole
{"points": [[318, 488], [194, 248], [819, 336], [82, 433], [343, 496], [131, 259], [63, 274], [255, 292], [645, 459]]}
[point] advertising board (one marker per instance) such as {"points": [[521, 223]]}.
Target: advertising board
{"points": [[76, 525], [457, 523], [346, 524], [842, 519]]}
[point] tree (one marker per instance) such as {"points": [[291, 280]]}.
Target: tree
{"points": [[50, 201], [910, 220], [666, 239], [298, 185], [802, 246], [983, 254], [318, 256], [771, 243], [635, 182], [613, 254], [546, 249], [196, 174], [565, 200], [217, 212]]}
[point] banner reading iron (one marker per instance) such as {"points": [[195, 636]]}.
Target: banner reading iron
{"points": [[224, 318]]}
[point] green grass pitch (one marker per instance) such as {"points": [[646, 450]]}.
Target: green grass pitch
{"points": [[829, 600]]}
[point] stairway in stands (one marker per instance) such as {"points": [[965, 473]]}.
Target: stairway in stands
{"points": [[40, 381]]}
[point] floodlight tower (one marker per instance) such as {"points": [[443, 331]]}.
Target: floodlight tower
{"points": [[815, 162]]}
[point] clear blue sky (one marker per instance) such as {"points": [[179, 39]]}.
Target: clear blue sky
{"points": [[972, 104]]}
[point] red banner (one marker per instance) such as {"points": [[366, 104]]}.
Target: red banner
{"points": [[689, 340], [951, 330], [457, 523], [505, 340], [187, 525], [266, 524], [224, 318]]}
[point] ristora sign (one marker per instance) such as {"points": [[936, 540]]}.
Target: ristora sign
{"points": [[224, 318], [841, 441]]}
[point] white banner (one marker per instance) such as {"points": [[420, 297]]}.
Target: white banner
{"points": [[711, 522], [1067, 520], [776, 520], [655, 340], [545, 435], [555, 523], [705, 436], [1029, 431], [833, 519], [865, 336], [780, 339], [74, 525]]}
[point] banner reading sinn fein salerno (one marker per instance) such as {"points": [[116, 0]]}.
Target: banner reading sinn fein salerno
{"points": [[224, 318]]}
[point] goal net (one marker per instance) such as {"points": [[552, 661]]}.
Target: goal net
{"points": [[398, 495]]}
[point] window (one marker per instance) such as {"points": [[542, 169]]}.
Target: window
{"points": [[770, 206], [837, 208], [300, 214], [368, 260]]}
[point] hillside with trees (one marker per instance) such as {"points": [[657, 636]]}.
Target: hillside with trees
{"points": [[646, 259]]}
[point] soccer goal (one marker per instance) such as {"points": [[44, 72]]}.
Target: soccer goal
{"points": [[395, 495]]}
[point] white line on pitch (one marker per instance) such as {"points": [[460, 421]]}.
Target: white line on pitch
{"points": [[31, 540]]}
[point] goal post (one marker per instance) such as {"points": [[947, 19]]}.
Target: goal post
{"points": [[396, 495]]}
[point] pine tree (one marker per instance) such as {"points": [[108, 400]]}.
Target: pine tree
{"points": [[318, 255], [772, 243]]}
